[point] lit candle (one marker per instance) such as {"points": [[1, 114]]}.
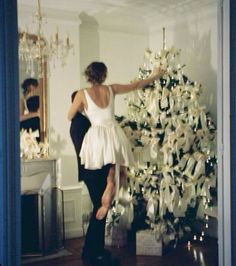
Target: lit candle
{"points": [[194, 237], [201, 238], [206, 225]]}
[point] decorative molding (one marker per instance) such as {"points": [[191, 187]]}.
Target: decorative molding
{"points": [[72, 187], [74, 233], [205, 11], [39, 166], [70, 211], [116, 16], [52, 14], [72, 196]]}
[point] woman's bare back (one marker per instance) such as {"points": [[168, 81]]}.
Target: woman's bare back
{"points": [[100, 95]]}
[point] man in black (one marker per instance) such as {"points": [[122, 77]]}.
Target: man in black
{"points": [[34, 122], [96, 181]]}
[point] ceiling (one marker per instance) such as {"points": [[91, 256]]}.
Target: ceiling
{"points": [[108, 10]]}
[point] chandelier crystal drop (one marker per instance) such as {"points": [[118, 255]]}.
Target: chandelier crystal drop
{"points": [[35, 50]]}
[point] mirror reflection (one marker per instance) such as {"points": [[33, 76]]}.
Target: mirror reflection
{"points": [[32, 105], [29, 105]]}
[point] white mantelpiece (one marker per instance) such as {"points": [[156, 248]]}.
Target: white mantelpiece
{"points": [[43, 165]]}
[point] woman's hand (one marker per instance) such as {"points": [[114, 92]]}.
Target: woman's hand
{"points": [[158, 72]]}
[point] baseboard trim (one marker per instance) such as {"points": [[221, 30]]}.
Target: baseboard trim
{"points": [[73, 233]]}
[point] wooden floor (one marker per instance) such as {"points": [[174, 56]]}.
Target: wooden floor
{"points": [[200, 254]]}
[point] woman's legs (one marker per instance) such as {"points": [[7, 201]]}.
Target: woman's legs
{"points": [[108, 194], [96, 181]]}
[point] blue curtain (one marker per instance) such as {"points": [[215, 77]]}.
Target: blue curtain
{"points": [[10, 247]]}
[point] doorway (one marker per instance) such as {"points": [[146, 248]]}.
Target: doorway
{"points": [[224, 201]]}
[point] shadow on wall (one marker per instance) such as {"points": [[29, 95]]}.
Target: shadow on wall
{"points": [[57, 143], [89, 43], [197, 54], [68, 173]]}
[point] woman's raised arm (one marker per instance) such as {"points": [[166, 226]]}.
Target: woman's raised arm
{"points": [[156, 74]]}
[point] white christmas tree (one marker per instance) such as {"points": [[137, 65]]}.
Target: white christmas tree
{"points": [[174, 142]]}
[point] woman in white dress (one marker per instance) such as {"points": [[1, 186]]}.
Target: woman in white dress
{"points": [[105, 142]]}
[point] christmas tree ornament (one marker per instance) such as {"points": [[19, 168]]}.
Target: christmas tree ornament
{"points": [[174, 142]]}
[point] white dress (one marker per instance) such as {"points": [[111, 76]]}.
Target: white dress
{"points": [[105, 142]]}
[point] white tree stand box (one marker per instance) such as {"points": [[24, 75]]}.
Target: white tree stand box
{"points": [[115, 236], [147, 244]]}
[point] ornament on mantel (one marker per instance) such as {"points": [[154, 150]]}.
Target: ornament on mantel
{"points": [[30, 148]]}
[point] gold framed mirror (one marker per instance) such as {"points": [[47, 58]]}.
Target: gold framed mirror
{"points": [[33, 71]]}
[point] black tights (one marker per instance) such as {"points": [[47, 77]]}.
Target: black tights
{"points": [[96, 182]]}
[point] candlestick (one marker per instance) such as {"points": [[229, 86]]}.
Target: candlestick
{"points": [[164, 38]]}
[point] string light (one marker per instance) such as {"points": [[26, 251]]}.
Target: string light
{"points": [[189, 245], [201, 258], [195, 254]]}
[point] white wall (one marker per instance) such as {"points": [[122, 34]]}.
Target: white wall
{"points": [[60, 84], [123, 54], [195, 33], [122, 50]]}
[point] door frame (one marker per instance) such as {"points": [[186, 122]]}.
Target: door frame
{"points": [[10, 220], [9, 132], [223, 135]]}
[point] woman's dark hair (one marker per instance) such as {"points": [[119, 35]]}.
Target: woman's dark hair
{"points": [[27, 82], [96, 72]]}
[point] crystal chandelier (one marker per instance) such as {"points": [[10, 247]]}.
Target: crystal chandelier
{"points": [[35, 50]]}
